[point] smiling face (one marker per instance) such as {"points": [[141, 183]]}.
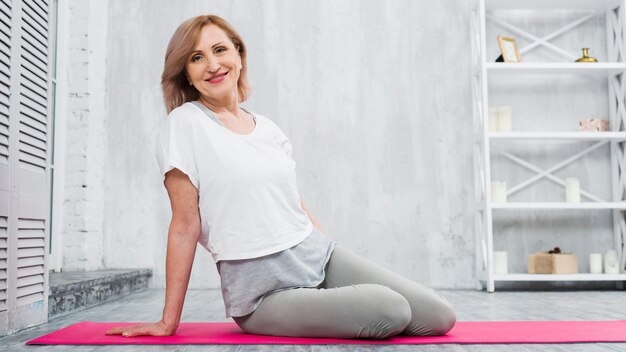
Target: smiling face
{"points": [[214, 65]]}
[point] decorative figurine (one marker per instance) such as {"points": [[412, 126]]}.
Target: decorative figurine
{"points": [[586, 57]]}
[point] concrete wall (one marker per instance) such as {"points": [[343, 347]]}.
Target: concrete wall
{"points": [[376, 99]]}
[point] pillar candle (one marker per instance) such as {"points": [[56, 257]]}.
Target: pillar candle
{"points": [[611, 265], [505, 121], [572, 190], [498, 192], [493, 118], [595, 263], [500, 262]]}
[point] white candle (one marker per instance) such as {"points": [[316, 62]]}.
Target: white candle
{"points": [[572, 190], [498, 192], [610, 262], [493, 118], [595, 263], [505, 120], [500, 265]]}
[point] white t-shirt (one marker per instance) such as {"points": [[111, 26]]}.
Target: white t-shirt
{"points": [[248, 196]]}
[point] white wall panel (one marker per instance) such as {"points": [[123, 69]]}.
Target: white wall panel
{"points": [[24, 171]]}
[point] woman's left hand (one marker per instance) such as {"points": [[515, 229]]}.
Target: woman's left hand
{"points": [[151, 329]]}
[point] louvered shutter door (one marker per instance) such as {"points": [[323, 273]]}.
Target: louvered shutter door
{"points": [[5, 188], [29, 201]]}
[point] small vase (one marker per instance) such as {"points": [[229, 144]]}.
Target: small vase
{"points": [[586, 57]]}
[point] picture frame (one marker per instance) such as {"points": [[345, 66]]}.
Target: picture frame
{"points": [[509, 49]]}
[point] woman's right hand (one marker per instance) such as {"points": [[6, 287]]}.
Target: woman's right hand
{"points": [[151, 329]]}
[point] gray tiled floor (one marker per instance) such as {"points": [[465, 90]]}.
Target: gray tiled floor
{"points": [[207, 305]]}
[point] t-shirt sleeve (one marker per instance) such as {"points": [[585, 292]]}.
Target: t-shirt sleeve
{"points": [[286, 146], [174, 148], [284, 142]]}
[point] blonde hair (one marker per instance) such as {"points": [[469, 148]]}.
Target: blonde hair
{"points": [[174, 83]]}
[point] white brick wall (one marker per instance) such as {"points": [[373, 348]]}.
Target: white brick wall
{"points": [[85, 135]]}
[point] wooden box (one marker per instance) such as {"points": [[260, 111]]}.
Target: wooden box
{"points": [[546, 263]]}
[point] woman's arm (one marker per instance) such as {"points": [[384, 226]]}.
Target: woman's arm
{"points": [[315, 223], [182, 240]]}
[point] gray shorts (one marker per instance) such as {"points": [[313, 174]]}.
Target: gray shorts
{"points": [[357, 299]]}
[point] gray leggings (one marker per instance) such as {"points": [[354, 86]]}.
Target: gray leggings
{"points": [[358, 299]]}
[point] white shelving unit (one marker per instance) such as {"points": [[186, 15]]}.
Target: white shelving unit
{"points": [[487, 143]]}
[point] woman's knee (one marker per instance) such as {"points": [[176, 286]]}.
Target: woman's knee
{"points": [[440, 319], [446, 321], [391, 313]]}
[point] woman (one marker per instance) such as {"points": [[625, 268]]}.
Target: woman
{"points": [[231, 180]]}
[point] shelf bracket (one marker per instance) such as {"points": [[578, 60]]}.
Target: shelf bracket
{"points": [[615, 30], [541, 173]]}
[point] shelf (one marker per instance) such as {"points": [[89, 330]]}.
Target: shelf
{"points": [[486, 73], [556, 68], [560, 277], [551, 5], [559, 205], [575, 136]]}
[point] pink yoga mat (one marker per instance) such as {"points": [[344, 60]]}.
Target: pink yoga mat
{"points": [[89, 333]]}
